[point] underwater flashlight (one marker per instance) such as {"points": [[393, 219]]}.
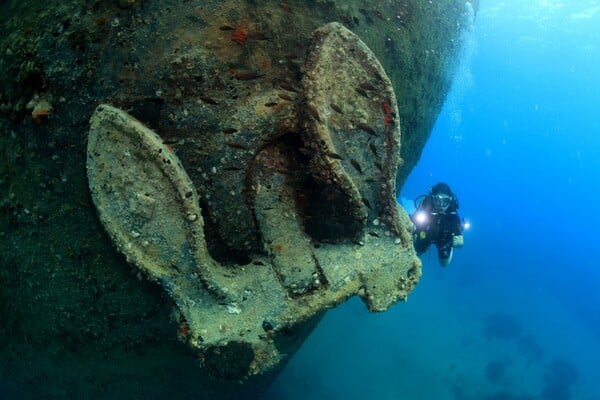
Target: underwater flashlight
{"points": [[420, 217], [466, 225]]}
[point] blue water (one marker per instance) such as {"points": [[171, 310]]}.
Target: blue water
{"points": [[516, 315]]}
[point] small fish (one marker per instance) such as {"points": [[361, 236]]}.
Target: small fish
{"points": [[270, 104], [282, 171], [365, 14], [285, 96], [374, 234], [286, 7], [247, 76], [336, 108], [321, 179], [236, 145], [226, 28], [356, 165], [367, 129], [373, 149], [366, 86], [306, 151], [313, 111], [366, 202], [387, 109], [346, 20], [288, 86], [362, 92], [258, 36], [209, 100], [378, 165], [334, 155], [229, 130], [293, 56]]}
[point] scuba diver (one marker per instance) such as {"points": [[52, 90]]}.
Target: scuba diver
{"points": [[436, 221]]}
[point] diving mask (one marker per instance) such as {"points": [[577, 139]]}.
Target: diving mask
{"points": [[441, 201]]}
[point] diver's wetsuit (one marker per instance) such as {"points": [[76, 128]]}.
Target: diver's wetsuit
{"points": [[439, 228]]}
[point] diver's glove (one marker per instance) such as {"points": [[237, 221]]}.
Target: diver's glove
{"points": [[458, 241]]}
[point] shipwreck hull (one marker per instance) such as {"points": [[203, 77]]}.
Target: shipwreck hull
{"points": [[236, 90]]}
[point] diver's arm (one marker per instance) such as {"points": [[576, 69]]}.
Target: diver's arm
{"points": [[457, 238]]}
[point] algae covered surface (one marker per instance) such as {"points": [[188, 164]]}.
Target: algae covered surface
{"points": [[78, 321]]}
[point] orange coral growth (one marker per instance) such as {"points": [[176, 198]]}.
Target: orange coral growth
{"points": [[102, 21], [239, 35], [184, 328], [386, 108], [388, 117], [38, 114], [41, 108], [286, 7], [279, 106]]}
